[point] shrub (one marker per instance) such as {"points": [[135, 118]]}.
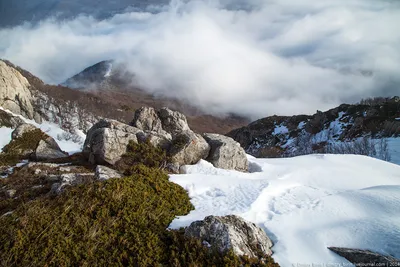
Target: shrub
{"points": [[142, 153], [119, 222]]}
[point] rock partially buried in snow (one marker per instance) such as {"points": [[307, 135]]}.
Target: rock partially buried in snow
{"points": [[231, 232], [105, 173], [226, 153], [358, 256], [188, 148]]}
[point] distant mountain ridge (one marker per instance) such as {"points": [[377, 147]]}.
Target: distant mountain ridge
{"points": [[278, 136]]}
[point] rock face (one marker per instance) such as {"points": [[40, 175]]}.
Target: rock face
{"points": [[14, 92], [106, 141], [358, 256], [105, 173], [231, 232], [226, 153]]}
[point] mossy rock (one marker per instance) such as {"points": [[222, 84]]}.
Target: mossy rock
{"points": [[22, 147]]}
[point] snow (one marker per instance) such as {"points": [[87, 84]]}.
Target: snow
{"points": [[281, 129], [301, 125], [109, 70], [5, 136], [305, 204]]}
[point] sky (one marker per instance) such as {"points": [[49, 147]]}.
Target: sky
{"points": [[256, 59]]}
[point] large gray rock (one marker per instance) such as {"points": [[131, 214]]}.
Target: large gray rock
{"points": [[107, 140], [104, 173], [146, 119], [49, 149], [188, 148], [226, 153], [358, 256], [173, 122], [14, 91], [231, 232]]}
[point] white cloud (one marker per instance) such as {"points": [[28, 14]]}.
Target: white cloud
{"points": [[277, 57]]}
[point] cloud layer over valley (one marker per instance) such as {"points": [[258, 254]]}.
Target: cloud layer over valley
{"points": [[265, 57]]}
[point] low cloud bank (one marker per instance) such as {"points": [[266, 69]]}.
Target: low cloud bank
{"points": [[263, 58]]}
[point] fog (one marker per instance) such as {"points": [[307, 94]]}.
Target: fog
{"points": [[267, 57]]}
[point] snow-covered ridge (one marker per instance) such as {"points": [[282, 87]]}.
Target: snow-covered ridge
{"points": [[305, 203], [278, 136]]}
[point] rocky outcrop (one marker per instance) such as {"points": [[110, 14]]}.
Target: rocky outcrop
{"points": [[358, 256], [104, 173], [14, 92], [67, 114], [107, 140], [226, 153], [231, 232]]}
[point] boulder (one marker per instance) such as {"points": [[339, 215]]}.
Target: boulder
{"points": [[358, 256], [14, 91], [231, 232], [105, 173], [226, 153], [107, 140], [173, 122], [188, 148], [49, 149], [21, 129], [146, 119]]}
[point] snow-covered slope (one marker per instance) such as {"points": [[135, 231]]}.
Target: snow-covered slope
{"points": [[67, 142], [305, 203]]}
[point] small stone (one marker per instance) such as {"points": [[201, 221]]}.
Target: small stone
{"points": [[105, 173], [11, 193]]}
